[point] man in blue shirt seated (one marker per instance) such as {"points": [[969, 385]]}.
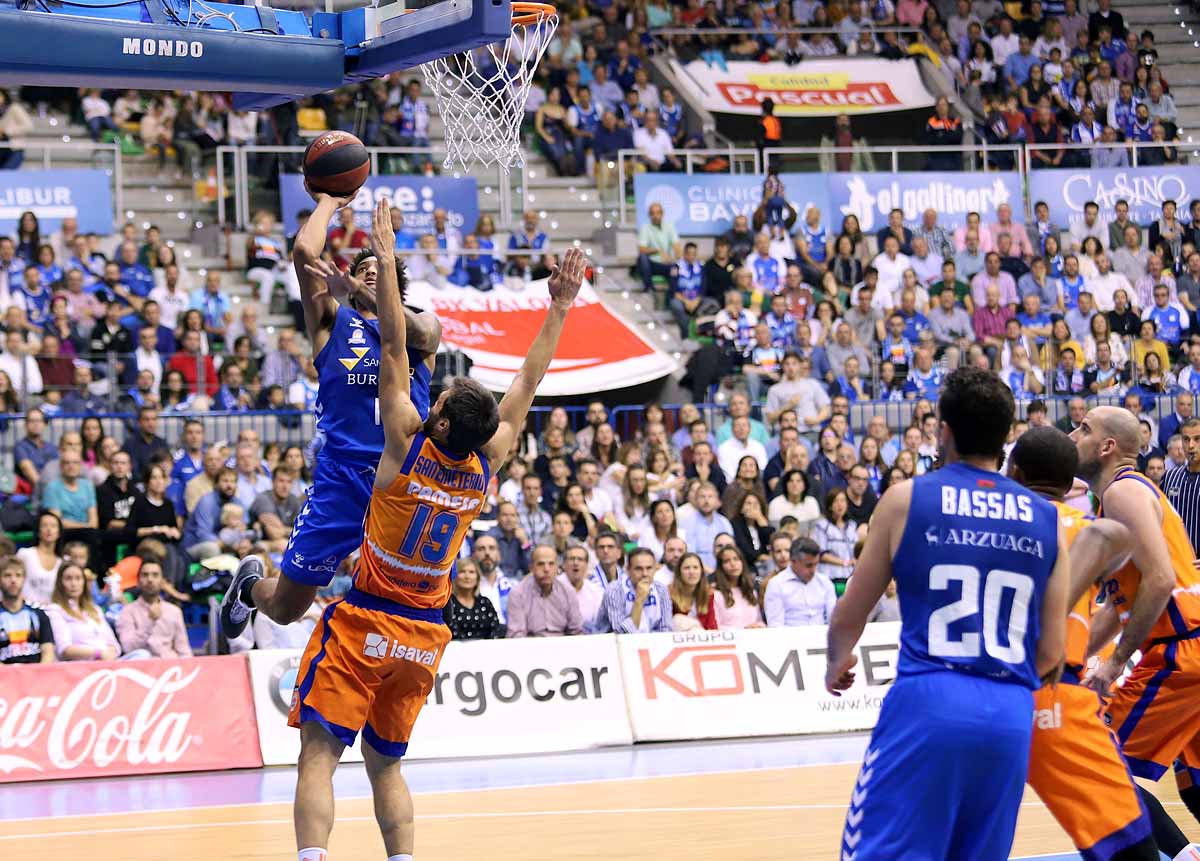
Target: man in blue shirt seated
{"points": [[200, 533]]}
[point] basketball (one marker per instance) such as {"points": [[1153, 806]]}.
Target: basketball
{"points": [[336, 163]]}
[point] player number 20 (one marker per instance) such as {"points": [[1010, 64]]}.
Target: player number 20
{"points": [[997, 582]]}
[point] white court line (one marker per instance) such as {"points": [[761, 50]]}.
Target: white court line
{"points": [[533, 814], [497, 788]]}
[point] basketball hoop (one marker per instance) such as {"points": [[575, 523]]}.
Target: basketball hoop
{"points": [[481, 93]]}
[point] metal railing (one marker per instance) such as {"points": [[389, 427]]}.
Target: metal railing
{"points": [[628, 159], [834, 32], [240, 157], [894, 154], [1130, 148], [103, 156]]}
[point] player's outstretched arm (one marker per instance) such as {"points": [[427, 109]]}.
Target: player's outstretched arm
{"points": [[1052, 639], [315, 296], [400, 418], [871, 576], [565, 281], [1131, 504]]}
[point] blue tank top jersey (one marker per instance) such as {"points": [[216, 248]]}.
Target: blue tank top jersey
{"points": [[37, 305], [971, 571], [347, 404], [816, 242]]}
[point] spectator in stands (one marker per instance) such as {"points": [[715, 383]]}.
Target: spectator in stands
{"points": [[637, 604], [989, 321], [196, 367], [1102, 376], [655, 145], [705, 524], [943, 129], [80, 631], [691, 597], [70, 496], [890, 263], [541, 605], [658, 244], [798, 595], [33, 451], [80, 401], [25, 629], [151, 624], [171, 297], [200, 534], [588, 594], [14, 123], [971, 259], [949, 322], [145, 441], [609, 139], [493, 581], [513, 541], [274, 511], [18, 363], [895, 227], [213, 304], [468, 614], [798, 391]]}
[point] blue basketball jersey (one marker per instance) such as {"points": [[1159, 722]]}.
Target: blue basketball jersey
{"points": [[970, 572], [347, 404]]}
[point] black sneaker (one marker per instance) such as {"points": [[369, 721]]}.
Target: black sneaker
{"points": [[235, 612]]}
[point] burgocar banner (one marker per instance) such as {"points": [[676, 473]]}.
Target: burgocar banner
{"points": [[1066, 190], [53, 195], [556, 695], [769, 681], [598, 350], [706, 204], [415, 196], [89, 719], [815, 88]]}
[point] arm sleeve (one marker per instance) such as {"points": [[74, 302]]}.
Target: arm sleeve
{"points": [[664, 598], [61, 633], [45, 628], [830, 601], [517, 606], [183, 648], [773, 607], [128, 634], [574, 616]]}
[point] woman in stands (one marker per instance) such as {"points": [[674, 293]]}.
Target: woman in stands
{"points": [[692, 607], [92, 433], [29, 237], [80, 631], [43, 560], [469, 615], [844, 266], [796, 501], [604, 446], [1155, 378], [665, 478], [550, 122], [735, 595], [1060, 339], [1054, 258], [193, 320], [633, 510], [747, 480], [1101, 332], [102, 468], [293, 459], [822, 323], [836, 534], [869, 456], [663, 527], [174, 395], [10, 404], [573, 502], [858, 242], [751, 529], [1034, 88]]}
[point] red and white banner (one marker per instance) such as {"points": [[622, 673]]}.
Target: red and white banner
{"points": [[87, 719], [758, 682], [598, 352], [815, 88]]}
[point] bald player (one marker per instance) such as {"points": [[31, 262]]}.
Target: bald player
{"points": [[1075, 763], [1156, 596]]}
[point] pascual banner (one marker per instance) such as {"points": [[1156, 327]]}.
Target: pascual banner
{"points": [[598, 350], [415, 196], [871, 196], [89, 719], [815, 88], [718, 684], [706, 204], [565, 695], [53, 195], [1066, 190]]}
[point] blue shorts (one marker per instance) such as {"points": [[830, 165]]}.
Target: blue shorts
{"points": [[330, 525], [945, 772]]}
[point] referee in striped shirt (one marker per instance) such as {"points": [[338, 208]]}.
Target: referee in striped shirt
{"points": [[1182, 484]]}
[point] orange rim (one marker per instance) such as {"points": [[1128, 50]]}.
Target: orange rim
{"points": [[531, 13]]}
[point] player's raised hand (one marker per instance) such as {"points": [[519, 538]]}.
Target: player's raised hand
{"points": [[339, 202], [383, 238], [340, 284], [840, 676], [567, 277]]}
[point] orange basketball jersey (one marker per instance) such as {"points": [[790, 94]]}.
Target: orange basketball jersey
{"points": [[1183, 610], [416, 526], [1073, 521]]}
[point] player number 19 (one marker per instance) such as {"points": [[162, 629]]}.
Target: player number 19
{"points": [[997, 582]]}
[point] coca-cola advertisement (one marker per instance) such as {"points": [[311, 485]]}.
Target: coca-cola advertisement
{"points": [[93, 718]]}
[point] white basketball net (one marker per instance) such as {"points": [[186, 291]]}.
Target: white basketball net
{"points": [[481, 94]]}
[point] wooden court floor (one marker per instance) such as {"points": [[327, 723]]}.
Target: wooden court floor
{"points": [[792, 813]]}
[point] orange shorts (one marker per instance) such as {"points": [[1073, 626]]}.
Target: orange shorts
{"points": [[1156, 712], [370, 669], [1077, 770]]}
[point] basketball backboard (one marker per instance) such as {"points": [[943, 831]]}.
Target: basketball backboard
{"points": [[265, 56]]}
